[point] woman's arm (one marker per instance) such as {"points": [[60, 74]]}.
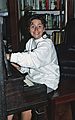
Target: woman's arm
{"points": [[8, 56]]}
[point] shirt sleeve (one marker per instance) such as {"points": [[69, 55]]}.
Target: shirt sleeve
{"points": [[42, 55]]}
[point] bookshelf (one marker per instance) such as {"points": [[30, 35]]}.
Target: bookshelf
{"points": [[52, 10], [16, 10]]}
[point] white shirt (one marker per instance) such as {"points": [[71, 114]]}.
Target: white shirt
{"points": [[40, 61]]}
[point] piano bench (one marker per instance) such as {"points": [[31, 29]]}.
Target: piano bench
{"points": [[59, 106]]}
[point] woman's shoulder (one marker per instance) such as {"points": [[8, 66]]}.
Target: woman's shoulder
{"points": [[47, 37], [29, 41], [48, 40]]}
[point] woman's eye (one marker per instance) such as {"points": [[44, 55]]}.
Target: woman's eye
{"points": [[32, 26], [40, 26], [36, 27]]}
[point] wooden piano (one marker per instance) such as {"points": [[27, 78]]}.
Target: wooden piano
{"points": [[15, 94]]}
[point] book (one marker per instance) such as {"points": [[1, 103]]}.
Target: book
{"points": [[57, 37], [58, 4], [37, 5], [22, 4], [40, 4], [52, 5], [50, 21], [43, 4], [47, 4]]}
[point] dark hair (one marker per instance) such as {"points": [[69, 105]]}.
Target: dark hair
{"points": [[39, 17]]}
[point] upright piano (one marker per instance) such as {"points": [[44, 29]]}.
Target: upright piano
{"points": [[15, 94]]}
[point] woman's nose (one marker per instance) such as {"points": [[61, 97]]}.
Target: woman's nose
{"points": [[36, 29]]}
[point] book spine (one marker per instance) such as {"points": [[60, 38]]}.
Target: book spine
{"points": [[22, 4], [31, 3], [47, 4], [40, 4], [52, 4], [37, 7], [54, 37], [50, 22], [58, 4], [46, 18], [34, 1], [43, 4], [57, 37]]}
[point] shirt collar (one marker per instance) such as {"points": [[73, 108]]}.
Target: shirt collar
{"points": [[41, 39]]}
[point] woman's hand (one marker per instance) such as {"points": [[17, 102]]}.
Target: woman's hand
{"points": [[16, 66], [8, 56]]}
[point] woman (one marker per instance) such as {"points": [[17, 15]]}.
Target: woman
{"points": [[39, 59]]}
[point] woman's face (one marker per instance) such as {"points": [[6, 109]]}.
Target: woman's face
{"points": [[36, 28]]}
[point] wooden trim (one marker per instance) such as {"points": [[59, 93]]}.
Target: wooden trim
{"points": [[69, 9], [14, 23]]}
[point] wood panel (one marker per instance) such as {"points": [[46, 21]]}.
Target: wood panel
{"points": [[69, 9], [14, 24]]}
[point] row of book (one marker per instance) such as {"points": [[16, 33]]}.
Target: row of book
{"points": [[53, 21], [42, 4], [57, 37]]}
